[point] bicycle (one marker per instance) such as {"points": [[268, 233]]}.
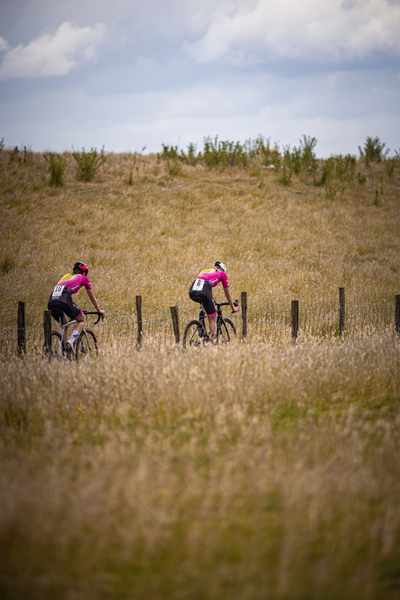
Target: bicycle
{"points": [[85, 346], [196, 333]]}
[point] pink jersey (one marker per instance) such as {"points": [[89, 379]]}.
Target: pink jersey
{"points": [[75, 282], [214, 277]]}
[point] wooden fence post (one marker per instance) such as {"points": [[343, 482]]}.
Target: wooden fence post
{"points": [[175, 322], [139, 320], [21, 332], [397, 313], [243, 303], [342, 311], [47, 331], [295, 320]]}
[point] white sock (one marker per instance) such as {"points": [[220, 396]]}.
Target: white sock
{"points": [[60, 348], [74, 337]]}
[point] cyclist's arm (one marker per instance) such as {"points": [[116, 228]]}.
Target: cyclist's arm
{"points": [[229, 298], [93, 300]]}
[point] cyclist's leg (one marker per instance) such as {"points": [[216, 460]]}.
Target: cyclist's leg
{"points": [[196, 296], [57, 313], [57, 309], [209, 307], [64, 322], [73, 311], [79, 325], [206, 300], [80, 322], [213, 325]]}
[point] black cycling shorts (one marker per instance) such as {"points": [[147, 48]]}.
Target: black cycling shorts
{"points": [[64, 304], [201, 291]]}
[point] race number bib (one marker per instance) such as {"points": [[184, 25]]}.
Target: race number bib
{"points": [[198, 285], [57, 291]]}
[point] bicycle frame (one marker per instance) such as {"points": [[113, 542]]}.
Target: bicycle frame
{"points": [[196, 333], [85, 312], [64, 327], [220, 318]]}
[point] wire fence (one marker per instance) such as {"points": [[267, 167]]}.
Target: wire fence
{"points": [[267, 319], [319, 316]]}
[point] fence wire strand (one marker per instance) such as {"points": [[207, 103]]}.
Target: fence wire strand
{"points": [[268, 319]]}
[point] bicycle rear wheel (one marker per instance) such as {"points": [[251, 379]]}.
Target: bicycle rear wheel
{"points": [[86, 345], [194, 335], [54, 345], [226, 333]]}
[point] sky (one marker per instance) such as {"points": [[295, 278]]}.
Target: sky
{"points": [[130, 75]]}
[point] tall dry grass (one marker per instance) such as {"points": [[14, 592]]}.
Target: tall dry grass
{"points": [[252, 472], [144, 232]]}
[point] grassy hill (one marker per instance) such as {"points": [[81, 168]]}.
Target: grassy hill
{"points": [[145, 231]]}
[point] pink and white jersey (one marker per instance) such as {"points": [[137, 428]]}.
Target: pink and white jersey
{"points": [[75, 282], [214, 277]]}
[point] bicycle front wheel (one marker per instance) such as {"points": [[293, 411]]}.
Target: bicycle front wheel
{"points": [[194, 335], [86, 345], [226, 333]]}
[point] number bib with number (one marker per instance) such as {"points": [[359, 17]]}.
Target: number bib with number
{"points": [[198, 285], [58, 290]]}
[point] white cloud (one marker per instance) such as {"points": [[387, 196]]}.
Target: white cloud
{"points": [[3, 44], [339, 109], [303, 29], [52, 55]]}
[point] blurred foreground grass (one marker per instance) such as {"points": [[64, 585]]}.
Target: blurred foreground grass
{"points": [[252, 472]]}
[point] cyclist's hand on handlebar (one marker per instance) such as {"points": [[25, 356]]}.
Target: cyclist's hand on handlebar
{"points": [[235, 308], [102, 314]]}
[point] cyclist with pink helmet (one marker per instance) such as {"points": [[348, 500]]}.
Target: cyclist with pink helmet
{"points": [[61, 304], [201, 291]]}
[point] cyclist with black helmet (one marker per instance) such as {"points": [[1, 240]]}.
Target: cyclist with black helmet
{"points": [[201, 291], [61, 304]]}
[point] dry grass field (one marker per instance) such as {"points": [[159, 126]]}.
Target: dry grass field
{"points": [[152, 237], [258, 471]]}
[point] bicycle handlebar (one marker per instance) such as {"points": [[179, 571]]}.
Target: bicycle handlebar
{"points": [[95, 312], [236, 303]]}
